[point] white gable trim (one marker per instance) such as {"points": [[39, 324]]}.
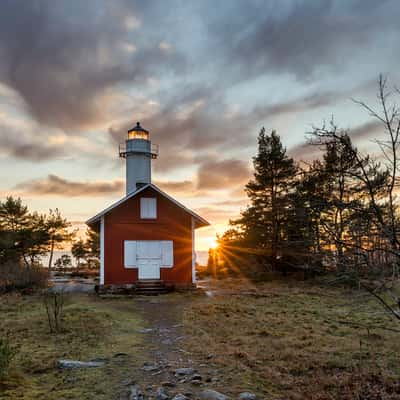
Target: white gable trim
{"points": [[129, 196], [102, 251], [193, 252]]}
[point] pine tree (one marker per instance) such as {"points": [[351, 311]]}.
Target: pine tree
{"points": [[93, 243], [263, 222], [15, 227], [58, 229], [79, 251], [23, 235]]}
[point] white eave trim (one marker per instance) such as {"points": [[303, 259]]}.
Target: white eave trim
{"points": [[102, 251], [193, 252], [97, 217]]}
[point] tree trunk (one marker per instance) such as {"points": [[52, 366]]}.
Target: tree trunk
{"points": [[51, 254]]}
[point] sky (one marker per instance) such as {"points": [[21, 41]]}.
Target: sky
{"points": [[202, 76]]}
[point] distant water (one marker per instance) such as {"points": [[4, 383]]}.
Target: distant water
{"points": [[201, 257]]}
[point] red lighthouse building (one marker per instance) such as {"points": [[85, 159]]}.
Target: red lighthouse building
{"points": [[147, 235]]}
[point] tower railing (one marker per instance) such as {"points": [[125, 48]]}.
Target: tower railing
{"points": [[152, 151]]}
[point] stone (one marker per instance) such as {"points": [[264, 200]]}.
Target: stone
{"points": [[73, 364], [180, 396], [184, 371], [247, 396], [148, 367], [161, 394], [212, 395], [135, 393], [100, 359], [197, 377], [145, 330], [116, 355]]}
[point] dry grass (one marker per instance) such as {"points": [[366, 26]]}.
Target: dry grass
{"points": [[93, 328], [280, 340], [296, 341], [14, 276]]}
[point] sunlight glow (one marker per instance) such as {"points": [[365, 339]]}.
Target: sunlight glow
{"points": [[213, 244]]}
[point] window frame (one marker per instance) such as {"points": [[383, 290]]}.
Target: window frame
{"points": [[142, 208]]}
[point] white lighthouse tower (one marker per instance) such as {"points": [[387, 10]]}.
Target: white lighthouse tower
{"points": [[138, 152]]}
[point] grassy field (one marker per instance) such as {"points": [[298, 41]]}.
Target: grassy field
{"points": [[93, 329], [297, 341], [279, 340]]}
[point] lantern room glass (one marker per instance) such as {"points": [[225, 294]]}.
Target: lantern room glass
{"points": [[136, 134]]}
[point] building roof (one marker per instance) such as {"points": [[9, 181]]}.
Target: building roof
{"points": [[199, 220], [138, 128]]}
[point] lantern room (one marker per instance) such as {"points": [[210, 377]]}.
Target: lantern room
{"points": [[138, 133]]}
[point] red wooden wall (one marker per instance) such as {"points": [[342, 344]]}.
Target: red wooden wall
{"points": [[124, 223]]}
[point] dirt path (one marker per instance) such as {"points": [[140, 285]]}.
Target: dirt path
{"points": [[169, 369], [163, 366]]}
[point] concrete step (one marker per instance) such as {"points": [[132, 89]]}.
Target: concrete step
{"points": [[151, 287]]}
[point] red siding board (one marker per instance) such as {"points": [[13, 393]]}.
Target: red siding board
{"points": [[124, 223]]}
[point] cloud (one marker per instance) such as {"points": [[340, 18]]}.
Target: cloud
{"points": [[197, 120], [222, 174], [99, 66], [306, 151], [176, 187], [25, 141], [57, 186], [299, 37], [216, 215], [65, 59], [33, 151], [366, 130], [232, 203]]}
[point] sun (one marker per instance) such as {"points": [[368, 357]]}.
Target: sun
{"points": [[213, 244]]}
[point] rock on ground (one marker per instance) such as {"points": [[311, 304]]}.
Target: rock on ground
{"points": [[135, 393], [180, 397], [73, 364], [247, 396], [197, 377], [150, 367], [212, 395], [185, 371], [161, 394]]}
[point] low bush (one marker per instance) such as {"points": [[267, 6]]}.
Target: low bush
{"points": [[14, 276], [7, 353], [54, 303]]}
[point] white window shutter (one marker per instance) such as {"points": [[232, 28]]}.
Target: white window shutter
{"points": [[167, 253], [130, 253], [148, 207]]}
